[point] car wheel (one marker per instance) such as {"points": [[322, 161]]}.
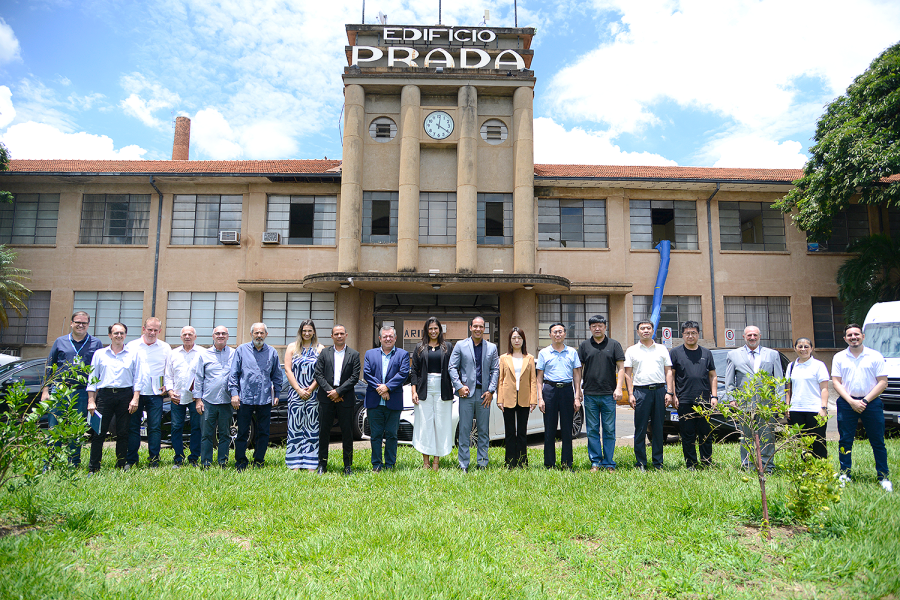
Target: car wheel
{"points": [[358, 426], [232, 432], [578, 423]]}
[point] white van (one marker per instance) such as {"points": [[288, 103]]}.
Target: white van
{"points": [[882, 330]]}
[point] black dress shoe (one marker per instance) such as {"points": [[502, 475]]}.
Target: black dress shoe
{"points": [[376, 469], [321, 469], [348, 470]]}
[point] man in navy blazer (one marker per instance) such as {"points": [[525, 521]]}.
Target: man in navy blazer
{"points": [[474, 371], [741, 364], [385, 370]]}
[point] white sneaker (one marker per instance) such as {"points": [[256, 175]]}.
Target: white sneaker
{"points": [[887, 485], [843, 479]]}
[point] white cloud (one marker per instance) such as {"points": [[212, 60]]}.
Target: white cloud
{"points": [[37, 102], [755, 151], [213, 136], [39, 140], [553, 144], [7, 111], [9, 45], [158, 98]]}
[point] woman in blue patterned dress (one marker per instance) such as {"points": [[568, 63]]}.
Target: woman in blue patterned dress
{"points": [[303, 404]]}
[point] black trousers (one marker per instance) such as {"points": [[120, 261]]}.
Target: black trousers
{"points": [[559, 408], [111, 403], [693, 425], [515, 421], [649, 405], [811, 427], [344, 412]]}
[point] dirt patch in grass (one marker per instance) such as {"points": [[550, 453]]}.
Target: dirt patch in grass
{"points": [[7, 529], [244, 543]]}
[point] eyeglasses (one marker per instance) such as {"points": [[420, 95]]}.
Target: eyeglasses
{"points": [[82, 323]]}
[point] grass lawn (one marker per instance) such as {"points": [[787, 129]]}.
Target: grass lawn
{"points": [[273, 533]]}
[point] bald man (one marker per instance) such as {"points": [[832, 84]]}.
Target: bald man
{"points": [[179, 380]]}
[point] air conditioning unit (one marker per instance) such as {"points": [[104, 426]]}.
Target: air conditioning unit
{"points": [[271, 237], [230, 237]]}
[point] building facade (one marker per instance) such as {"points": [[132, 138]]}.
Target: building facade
{"points": [[437, 208]]}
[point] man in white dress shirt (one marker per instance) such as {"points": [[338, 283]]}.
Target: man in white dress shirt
{"points": [[179, 380], [153, 354]]}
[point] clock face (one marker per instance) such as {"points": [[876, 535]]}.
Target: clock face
{"points": [[439, 125]]}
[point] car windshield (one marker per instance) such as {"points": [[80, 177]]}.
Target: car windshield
{"points": [[9, 367], [885, 338]]}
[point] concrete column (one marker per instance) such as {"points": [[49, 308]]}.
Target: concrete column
{"points": [[351, 178], [523, 194], [467, 182], [621, 320], [346, 313], [525, 315], [408, 205]]}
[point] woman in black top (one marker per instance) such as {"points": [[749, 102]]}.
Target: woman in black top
{"points": [[432, 394]]}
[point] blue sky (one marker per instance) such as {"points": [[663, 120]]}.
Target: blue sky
{"points": [[729, 83]]}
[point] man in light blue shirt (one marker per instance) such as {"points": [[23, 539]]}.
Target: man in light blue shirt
{"points": [[559, 394], [254, 383], [213, 398]]}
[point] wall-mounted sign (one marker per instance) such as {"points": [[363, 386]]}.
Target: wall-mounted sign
{"points": [[730, 337]]}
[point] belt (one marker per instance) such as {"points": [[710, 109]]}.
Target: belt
{"points": [[558, 384], [652, 386], [113, 390]]}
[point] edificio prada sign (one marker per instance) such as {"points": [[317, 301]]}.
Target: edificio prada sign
{"points": [[466, 56]]}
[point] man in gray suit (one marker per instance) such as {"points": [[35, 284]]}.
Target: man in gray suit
{"points": [[741, 365], [474, 370]]}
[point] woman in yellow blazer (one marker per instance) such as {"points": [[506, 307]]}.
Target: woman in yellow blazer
{"points": [[516, 397]]}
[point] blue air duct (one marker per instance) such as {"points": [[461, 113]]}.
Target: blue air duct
{"points": [[664, 247]]}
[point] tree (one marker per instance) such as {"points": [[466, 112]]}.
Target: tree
{"points": [[12, 293], [4, 166], [871, 276], [857, 150]]}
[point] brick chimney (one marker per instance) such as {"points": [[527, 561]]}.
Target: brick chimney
{"points": [[182, 146]]}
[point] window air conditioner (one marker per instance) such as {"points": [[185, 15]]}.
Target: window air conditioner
{"points": [[271, 237], [230, 237]]}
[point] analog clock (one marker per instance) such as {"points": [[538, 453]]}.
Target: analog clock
{"points": [[439, 125]]}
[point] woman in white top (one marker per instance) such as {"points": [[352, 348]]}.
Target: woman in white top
{"points": [[807, 394], [432, 395], [516, 397]]}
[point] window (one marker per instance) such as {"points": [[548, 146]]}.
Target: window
{"points": [[106, 308], [571, 223], [383, 129], [30, 219], [204, 311], [198, 219], [114, 219], [283, 311], [894, 222], [379, 222], [437, 218], [655, 220], [31, 326], [673, 311], [771, 315], [828, 323], [573, 311], [751, 226], [495, 219], [494, 131], [308, 220]]}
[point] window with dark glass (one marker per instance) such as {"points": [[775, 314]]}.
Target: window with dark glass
{"points": [[115, 219], [301, 225], [655, 220], [847, 227], [495, 219], [30, 327], [379, 218], [828, 323], [564, 223], [197, 219], [307, 220], [30, 219], [751, 226]]}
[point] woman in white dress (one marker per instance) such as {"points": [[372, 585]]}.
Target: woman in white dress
{"points": [[432, 395], [807, 394], [302, 449]]}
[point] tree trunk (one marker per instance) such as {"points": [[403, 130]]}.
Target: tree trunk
{"points": [[761, 474]]}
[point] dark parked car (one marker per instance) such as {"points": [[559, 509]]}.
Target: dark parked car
{"points": [[277, 426], [29, 372], [722, 428]]}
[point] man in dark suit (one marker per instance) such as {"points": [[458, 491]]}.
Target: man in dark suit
{"points": [[385, 370], [337, 371], [742, 363], [474, 373]]}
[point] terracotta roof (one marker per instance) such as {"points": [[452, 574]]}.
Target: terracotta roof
{"points": [[703, 173], [237, 167]]}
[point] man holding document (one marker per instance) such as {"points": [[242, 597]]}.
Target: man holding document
{"points": [[111, 392], [179, 378]]}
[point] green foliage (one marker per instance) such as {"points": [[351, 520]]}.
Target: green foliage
{"points": [[813, 481], [4, 166], [856, 149], [12, 292], [871, 276], [28, 449]]}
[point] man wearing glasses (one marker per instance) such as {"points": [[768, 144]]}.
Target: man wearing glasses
{"points": [[75, 348]]}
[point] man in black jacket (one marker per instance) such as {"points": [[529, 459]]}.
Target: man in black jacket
{"points": [[337, 371]]}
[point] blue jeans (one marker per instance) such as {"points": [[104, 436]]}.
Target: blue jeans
{"points": [[263, 414], [873, 421], [154, 406], [600, 411], [383, 423], [81, 400], [178, 412], [216, 421]]}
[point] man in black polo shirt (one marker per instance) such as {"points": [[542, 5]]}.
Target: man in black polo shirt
{"points": [[603, 362], [695, 380]]}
